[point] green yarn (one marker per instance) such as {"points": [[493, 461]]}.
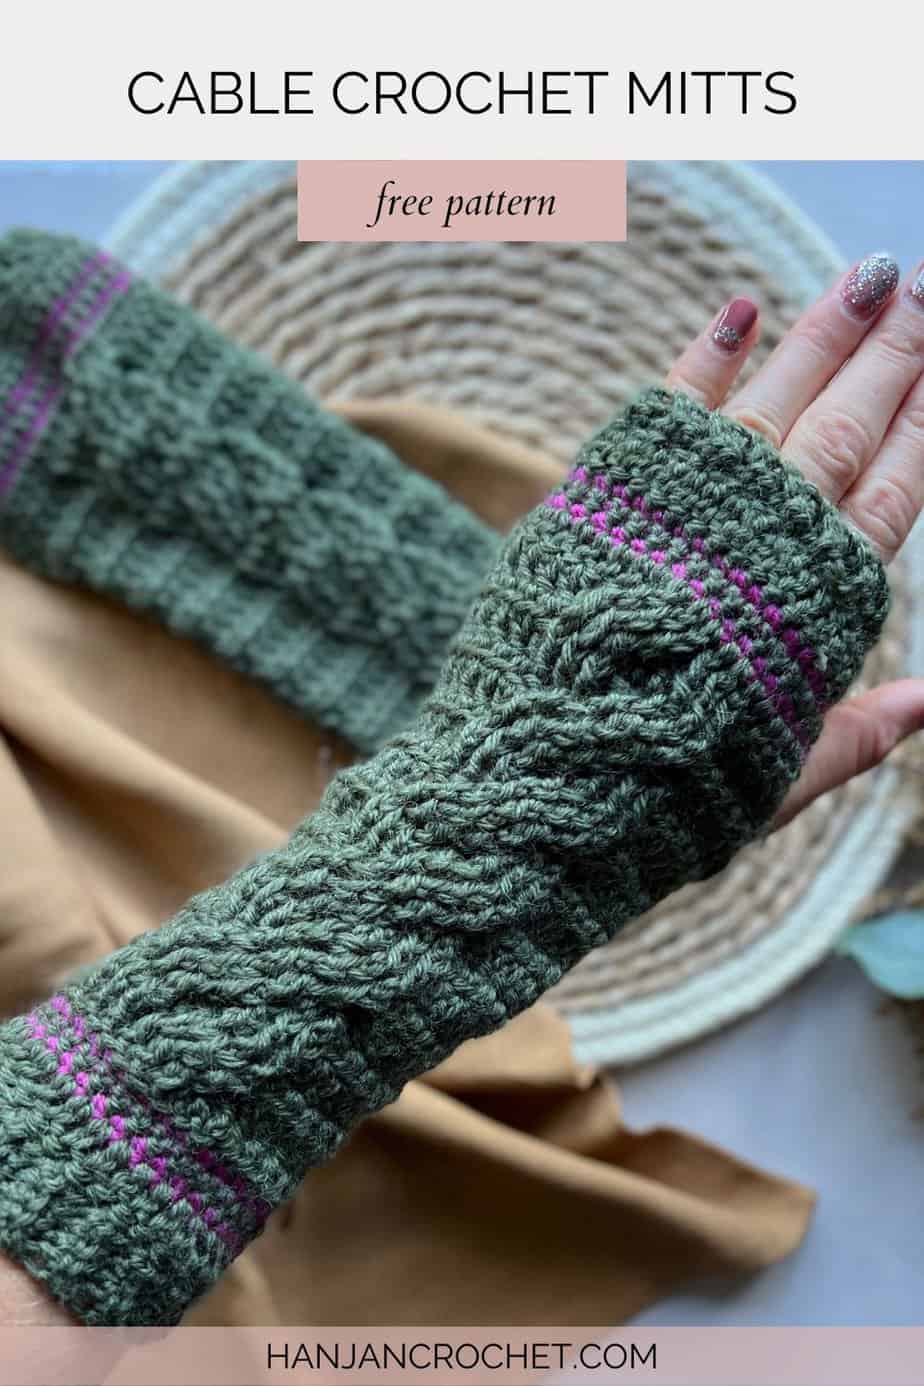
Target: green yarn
{"points": [[185, 477], [625, 706]]}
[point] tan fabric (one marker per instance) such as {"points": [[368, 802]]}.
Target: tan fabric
{"points": [[503, 1188]]}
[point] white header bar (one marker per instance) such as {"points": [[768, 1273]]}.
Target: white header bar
{"points": [[419, 79]]}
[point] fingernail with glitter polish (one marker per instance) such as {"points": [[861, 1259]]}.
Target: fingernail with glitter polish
{"points": [[734, 324], [917, 288], [869, 284]]}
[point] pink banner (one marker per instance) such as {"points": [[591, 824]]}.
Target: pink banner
{"points": [[425, 1356], [462, 200]]}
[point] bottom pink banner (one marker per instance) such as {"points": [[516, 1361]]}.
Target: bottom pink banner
{"points": [[400, 1356]]}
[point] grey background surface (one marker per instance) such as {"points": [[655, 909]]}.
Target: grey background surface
{"points": [[822, 1085]]}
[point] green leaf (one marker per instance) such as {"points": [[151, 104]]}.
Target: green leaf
{"points": [[891, 952]]}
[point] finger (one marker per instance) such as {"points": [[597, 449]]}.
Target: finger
{"points": [[858, 734], [839, 436], [888, 498], [709, 366], [814, 350]]}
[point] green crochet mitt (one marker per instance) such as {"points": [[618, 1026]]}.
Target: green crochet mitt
{"points": [[144, 455], [626, 706]]}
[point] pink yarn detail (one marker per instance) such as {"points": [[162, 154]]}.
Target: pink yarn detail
{"points": [[729, 634], [227, 1235], [803, 654], [56, 315], [47, 401], [99, 1105]]}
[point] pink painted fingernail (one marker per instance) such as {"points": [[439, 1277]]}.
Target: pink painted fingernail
{"points": [[734, 324], [917, 288], [869, 284]]}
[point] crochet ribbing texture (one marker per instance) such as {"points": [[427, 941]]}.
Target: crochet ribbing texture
{"points": [[626, 704], [144, 455]]}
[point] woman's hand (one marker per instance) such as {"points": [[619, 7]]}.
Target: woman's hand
{"points": [[842, 396], [24, 1302]]}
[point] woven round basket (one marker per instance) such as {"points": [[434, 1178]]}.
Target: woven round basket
{"points": [[542, 342]]}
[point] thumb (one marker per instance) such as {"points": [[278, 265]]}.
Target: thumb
{"points": [[858, 734]]}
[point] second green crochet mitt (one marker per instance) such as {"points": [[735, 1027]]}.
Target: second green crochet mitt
{"points": [[626, 705], [146, 456]]}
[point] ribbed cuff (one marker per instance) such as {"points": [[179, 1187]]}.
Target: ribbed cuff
{"points": [[99, 1192], [710, 512]]}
